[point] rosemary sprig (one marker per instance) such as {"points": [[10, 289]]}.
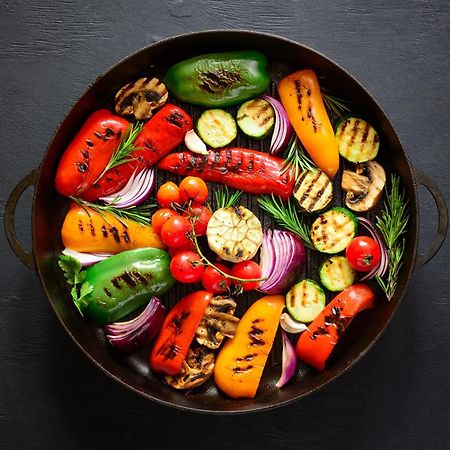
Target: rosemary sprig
{"points": [[392, 225], [296, 159], [286, 216], [335, 106], [140, 214], [226, 199], [122, 153]]}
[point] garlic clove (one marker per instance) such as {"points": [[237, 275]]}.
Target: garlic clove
{"points": [[194, 143], [290, 325]]}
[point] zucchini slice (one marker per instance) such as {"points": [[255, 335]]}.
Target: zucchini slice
{"points": [[313, 191], [336, 274], [256, 118], [305, 301], [216, 127], [333, 230], [357, 140]]}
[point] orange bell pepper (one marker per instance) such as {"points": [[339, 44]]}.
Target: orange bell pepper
{"points": [[85, 230], [301, 97], [240, 363]]}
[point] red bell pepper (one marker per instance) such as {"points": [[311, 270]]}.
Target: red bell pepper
{"points": [[240, 168], [89, 152], [160, 135], [177, 333], [315, 345]]}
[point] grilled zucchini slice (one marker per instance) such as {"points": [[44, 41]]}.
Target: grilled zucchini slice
{"points": [[216, 128], [305, 301], [256, 118], [357, 140], [333, 230], [336, 274], [313, 191]]}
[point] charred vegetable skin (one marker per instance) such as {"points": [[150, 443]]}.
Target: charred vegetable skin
{"points": [[125, 282], [89, 152], [219, 79], [177, 333], [160, 135], [239, 168]]}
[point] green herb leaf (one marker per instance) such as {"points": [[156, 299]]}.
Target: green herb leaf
{"points": [[336, 107], [296, 159], [226, 199], [72, 269]]}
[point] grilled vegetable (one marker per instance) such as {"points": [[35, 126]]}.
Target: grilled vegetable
{"points": [[240, 363], [305, 300], [336, 274], [302, 99], [86, 230], [315, 345], [177, 333], [193, 143], [141, 97], [219, 79], [125, 282], [160, 135], [240, 168], [333, 230], [216, 127], [357, 140], [364, 186], [234, 234], [90, 150], [313, 190], [256, 118]]}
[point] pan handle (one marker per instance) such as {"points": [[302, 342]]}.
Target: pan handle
{"points": [[426, 181], [23, 255]]}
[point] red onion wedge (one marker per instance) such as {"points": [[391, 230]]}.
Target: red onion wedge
{"points": [[86, 259], [282, 130], [139, 187], [289, 361], [282, 258], [381, 268], [138, 332]]}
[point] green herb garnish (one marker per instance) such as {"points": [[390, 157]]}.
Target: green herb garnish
{"points": [[226, 199], [336, 107], [296, 159], [286, 215]]}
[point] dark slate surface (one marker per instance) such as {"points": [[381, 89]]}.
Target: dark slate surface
{"points": [[51, 397]]}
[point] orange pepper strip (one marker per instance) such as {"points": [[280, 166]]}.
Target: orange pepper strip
{"points": [[301, 97]]}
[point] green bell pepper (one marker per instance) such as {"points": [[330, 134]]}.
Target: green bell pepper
{"points": [[124, 282], [219, 79]]}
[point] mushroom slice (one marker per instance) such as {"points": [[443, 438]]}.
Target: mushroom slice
{"points": [[141, 98], [197, 367], [364, 186], [217, 322]]}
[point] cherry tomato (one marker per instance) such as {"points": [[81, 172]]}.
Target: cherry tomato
{"points": [[161, 217], [194, 189], [200, 215], [174, 250], [186, 267], [175, 232], [363, 254], [167, 194], [246, 270], [213, 281]]}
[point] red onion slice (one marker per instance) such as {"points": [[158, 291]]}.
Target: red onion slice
{"points": [[289, 362], [86, 259]]}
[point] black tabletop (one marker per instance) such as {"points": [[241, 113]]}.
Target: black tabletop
{"points": [[52, 397]]}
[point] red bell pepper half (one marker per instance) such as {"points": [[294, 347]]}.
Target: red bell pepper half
{"points": [[315, 345], [177, 333]]}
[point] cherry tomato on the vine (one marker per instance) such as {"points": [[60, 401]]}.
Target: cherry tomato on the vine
{"points": [[167, 194], [214, 281], [247, 270], [363, 254], [193, 189], [187, 267], [200, 216], [161, 217], [175, 232], [174, 250]]}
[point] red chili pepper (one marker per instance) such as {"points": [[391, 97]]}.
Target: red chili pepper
{"points": [[89, 152], [177, 332], [240, 168], [160, 135], [315, 345]]}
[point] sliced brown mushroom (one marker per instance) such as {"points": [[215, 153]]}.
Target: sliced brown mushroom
{"points": [[197, 367], [217, 322], [141, 98], [364, 186]]}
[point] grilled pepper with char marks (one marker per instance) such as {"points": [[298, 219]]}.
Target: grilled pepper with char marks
{"points": [[239, 168]]}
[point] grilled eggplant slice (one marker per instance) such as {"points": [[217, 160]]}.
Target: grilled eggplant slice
{"points": [[313, 191]]}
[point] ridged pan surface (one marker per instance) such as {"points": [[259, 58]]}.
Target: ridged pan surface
{"points": [[49, 208]]}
